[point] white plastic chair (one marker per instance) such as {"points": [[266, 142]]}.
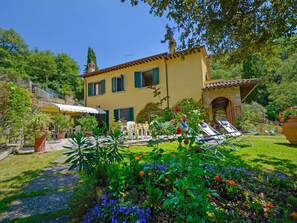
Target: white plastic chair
{"points": [[130, 129]]}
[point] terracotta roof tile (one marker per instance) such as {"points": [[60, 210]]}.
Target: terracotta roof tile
{"points": [[141, 61], [229, 83]]}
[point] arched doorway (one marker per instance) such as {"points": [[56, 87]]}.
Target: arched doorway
{"points": [[222, 108]]}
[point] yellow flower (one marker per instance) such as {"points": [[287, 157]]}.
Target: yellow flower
{"points": [[166, 180], [141, 173], [149, 174], [137, 158]]}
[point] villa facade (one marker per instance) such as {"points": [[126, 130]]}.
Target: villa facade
{"points": [[124, 90]]}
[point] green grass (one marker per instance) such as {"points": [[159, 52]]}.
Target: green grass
{"points": [[270, 153], [17, 170]]}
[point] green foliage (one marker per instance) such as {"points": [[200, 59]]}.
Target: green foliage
{"points": [[80, 153], [253, 112], [11, 41], [144, 115], [66, 80], [38, 123], [288, 113], [241, 27], [191, 109], [62, 122], [42, 66], [83, 197], [15, 107], [59, 72], [91, 58], [284, 94], [94, 158], [88, 123]]}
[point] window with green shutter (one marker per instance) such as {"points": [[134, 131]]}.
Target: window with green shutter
{"points": [[137, 79], [118, 83], [146, 78], [102, 85], [156, 75], [116, 114], [90, 89], [126, 114], [98, 88], [131, 114]]}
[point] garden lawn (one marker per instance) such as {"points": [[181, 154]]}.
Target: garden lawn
{"points": [[17, 170], [270, 153]]}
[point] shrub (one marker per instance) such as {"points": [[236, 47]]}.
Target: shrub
{"points": [[88, 123], [15, 108], [288, 113], [144, 115], [62, 123]]}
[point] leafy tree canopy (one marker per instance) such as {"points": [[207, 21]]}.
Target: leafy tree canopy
{"points": [[225, 26], [11, 41]]}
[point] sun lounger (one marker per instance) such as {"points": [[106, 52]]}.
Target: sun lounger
{"points": [[234, 133]]}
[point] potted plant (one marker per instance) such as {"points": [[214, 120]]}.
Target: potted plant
{"points": [[88, 123], [290, 125], [38, 124], [62, 123]]}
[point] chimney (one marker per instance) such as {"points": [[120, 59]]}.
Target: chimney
{"points": [[172, 45], [91, 67]]}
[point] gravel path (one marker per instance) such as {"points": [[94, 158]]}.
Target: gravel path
{"points": [[54, 177]]}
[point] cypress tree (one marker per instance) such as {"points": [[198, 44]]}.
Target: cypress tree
{"points": [[91, 57]]}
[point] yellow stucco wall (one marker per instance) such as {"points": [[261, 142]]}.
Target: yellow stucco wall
{"points": [[185, 80]]}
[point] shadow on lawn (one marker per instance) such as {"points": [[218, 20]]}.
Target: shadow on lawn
{"points": [[286, 144], [282, 165], [11, 188]]}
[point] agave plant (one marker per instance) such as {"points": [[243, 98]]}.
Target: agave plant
{"points": [[81, 153]]}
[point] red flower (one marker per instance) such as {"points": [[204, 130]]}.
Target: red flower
{"points": [[218, 178], [177, 109], [178, 131]]}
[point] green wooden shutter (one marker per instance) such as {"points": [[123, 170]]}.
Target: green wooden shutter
{"points": [[137, 79], [102, 85], [90, 89], [114, 84], [107, 118], [123, 85], [156, 75], [131, 114], [116, 114]]}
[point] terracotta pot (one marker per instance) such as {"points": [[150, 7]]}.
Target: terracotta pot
{"points": [[39, 145], [61, 135], [290, 130]]}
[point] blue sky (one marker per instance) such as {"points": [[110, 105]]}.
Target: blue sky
{"points": [[116, 31]]}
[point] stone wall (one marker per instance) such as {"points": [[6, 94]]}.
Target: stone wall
{"points": [[231, 93]]}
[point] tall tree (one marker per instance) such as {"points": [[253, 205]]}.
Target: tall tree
{"points": [[42, 65], [66, 80], [11, 41], [240, 26], [91, 57]]}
